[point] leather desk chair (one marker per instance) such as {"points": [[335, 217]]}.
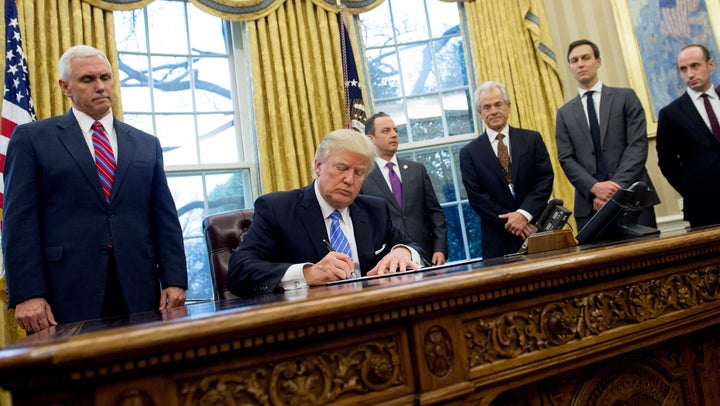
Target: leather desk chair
{"points": [[223, 233]]}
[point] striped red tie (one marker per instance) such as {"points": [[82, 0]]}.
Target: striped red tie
{"points": [[104, 158]]}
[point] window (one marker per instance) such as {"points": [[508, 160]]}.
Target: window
{"points": [[178, 79], [419, 74]]}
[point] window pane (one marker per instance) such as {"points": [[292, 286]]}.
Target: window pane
{"points": [[444, 18], [417, 69], [410, 22], [218, 140], [130, 34], [171, 83], [384, 75], [134, 87], [207, 33], [177, 136], [376, 28], [168, 32], [212, 84]]}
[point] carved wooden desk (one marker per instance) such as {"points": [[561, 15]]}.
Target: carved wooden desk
{"points": [[631, 323]]}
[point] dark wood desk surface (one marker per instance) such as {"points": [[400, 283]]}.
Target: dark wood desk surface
{"points": [[465, 333]]}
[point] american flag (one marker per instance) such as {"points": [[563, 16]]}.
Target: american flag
{"points": [[675, 18], [355, 115], [17, 106]]}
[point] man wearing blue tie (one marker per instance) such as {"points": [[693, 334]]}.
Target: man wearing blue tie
{"points": [[317, 234], [90, 228]]}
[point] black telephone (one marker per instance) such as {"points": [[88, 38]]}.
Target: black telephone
{"points": [[553, 217]]}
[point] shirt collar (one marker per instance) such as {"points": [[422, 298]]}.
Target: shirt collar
{"points": [[596, 88], [492, 133], [325, 206], [381, 162], [694, 94], [85, 122]]}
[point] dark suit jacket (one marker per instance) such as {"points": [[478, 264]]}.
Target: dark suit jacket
{"points": [[288, 228], [57, 224], [421, 216], [689, 157], [488, 192], [623, 135]]}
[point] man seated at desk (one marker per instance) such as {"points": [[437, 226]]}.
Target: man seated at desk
{"points": [[318, 233]]}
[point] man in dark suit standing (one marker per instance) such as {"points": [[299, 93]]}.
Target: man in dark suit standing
{"points": [[406, 187], [78, 243], [507, 174], [603, 148], [688, 138], [322, 232]]}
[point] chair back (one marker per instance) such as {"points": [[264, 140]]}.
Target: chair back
{"points": [[223, 233]]}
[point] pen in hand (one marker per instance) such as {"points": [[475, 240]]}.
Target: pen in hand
{"points": [[330, 249]]}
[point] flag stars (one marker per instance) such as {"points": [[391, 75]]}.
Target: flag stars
{"points": [[14, 23], [352, 83]]}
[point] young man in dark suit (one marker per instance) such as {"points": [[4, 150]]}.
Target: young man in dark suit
{"points": [[507, 174], [415, 210], [292, 242], [599, 164], [80, 243], [688, 138]]}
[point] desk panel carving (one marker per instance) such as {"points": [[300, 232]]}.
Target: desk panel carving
{"points": [[557, 323], [631, 323]]}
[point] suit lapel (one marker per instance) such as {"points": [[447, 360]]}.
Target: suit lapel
{"points": [[363, 233], [579, 113], [517, 152], [408, 177], [126, 150], [376, 176], [313, 221], [487, 156], [606, 103], [692, 113], [71, 136]]}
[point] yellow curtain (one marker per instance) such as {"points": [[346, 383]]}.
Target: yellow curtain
{"points": [[511, 44], [297, 89]]}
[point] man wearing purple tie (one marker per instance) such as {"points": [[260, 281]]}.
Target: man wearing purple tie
{"points": [[406, 186], [90, 228], [688, 138]]}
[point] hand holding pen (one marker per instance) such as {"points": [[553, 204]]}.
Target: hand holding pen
{"points": [[331, 249], [333, 267]]}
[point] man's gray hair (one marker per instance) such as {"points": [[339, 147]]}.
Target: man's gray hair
{"points": [[346, 140], [78, 51], [488, 86]]}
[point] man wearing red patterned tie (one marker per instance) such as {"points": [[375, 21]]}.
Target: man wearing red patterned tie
{"points": [[90, 228], [507, 174]]}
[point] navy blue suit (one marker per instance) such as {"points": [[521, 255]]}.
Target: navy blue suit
{"points": [[57, 225], [488, 192], [689, 157], [288, 228]]}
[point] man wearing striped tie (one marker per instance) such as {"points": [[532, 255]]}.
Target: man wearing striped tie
{"points": [[90, 228], [318, 233]]}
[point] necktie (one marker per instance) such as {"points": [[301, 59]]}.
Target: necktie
{"points": [[395, 183], [504, 157], [338, 240], [104, 158], [601, 168], [714, 125]]}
